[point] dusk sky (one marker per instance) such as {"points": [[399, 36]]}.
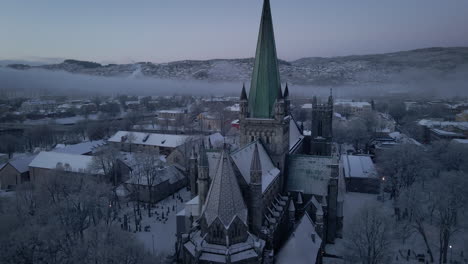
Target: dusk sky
{"points": [[124, 31]]}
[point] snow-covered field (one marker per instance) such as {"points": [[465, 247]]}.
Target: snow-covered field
{"points": [[162, 231], [353, 204]]}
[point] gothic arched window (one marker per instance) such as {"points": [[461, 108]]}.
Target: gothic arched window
{"points": [[319, 128]]}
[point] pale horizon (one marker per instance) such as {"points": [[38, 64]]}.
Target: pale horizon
{"points": [[159, 32]]}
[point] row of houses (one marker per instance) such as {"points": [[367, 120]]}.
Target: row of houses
{"points": [[169, 170], [30, 167], [435, 130]]}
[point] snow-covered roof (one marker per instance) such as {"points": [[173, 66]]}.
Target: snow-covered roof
{"points": [[176, 111], [339, 116], [460, 141], [295, 135], [21, 163], [80, 148], [303, 245], [149, 139], [306, 106], [131, 158], [167, 173], [358, 167], [353, 104], [396, 138], [433, 123], [216, 139], [61, 121], [224, 199], [192, 206], [243, 158], [309, 174], [233, 108], [68, 162], [213, 253], [446, 133], [150, 127]]}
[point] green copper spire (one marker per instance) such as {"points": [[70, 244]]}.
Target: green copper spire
{"points": [[265, 78]]}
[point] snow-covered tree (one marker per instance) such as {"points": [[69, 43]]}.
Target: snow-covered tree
{"points": [[369, 240]]}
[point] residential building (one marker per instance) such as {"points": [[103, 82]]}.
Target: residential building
{"points": [[166, 181], [15, 172], [130, 141], [360, 174], [48, 163]]}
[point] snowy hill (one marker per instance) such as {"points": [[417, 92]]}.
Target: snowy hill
{"points": [[360, 69]]}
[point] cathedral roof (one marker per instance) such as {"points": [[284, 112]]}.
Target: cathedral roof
{"points": [[295, 135], [309, 174], [303, 246], [265, 78], [243, 159], [224, 199]]}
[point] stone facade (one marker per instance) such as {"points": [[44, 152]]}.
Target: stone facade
{"points": [[261, 211]]}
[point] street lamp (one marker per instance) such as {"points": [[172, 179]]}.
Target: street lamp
{"points": [[382, 189], [451, 253]]}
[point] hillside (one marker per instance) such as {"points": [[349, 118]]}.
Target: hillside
{"points": [[359, 69]]}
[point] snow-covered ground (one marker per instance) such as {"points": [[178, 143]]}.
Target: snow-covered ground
{"points": [[162, 231], [353, 204]]}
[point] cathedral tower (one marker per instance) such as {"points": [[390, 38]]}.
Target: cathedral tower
{"points": [[322, 128], [193, 173], [203, 177], [264, 115]]}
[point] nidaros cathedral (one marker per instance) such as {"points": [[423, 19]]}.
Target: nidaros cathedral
{"points": [[275, 198]]}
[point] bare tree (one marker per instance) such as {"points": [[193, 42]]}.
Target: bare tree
{"points": [[81, 128], [451, 156], [397, 110], [414, 202], [370, 120], [134, 188], [357, 133], [131, 138], [66, 219], [438, 204], [340, 133], [369, 240], [403, 165], [9, 145], [98, 130], [106, 161], [148, 168], [448, 198]]}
